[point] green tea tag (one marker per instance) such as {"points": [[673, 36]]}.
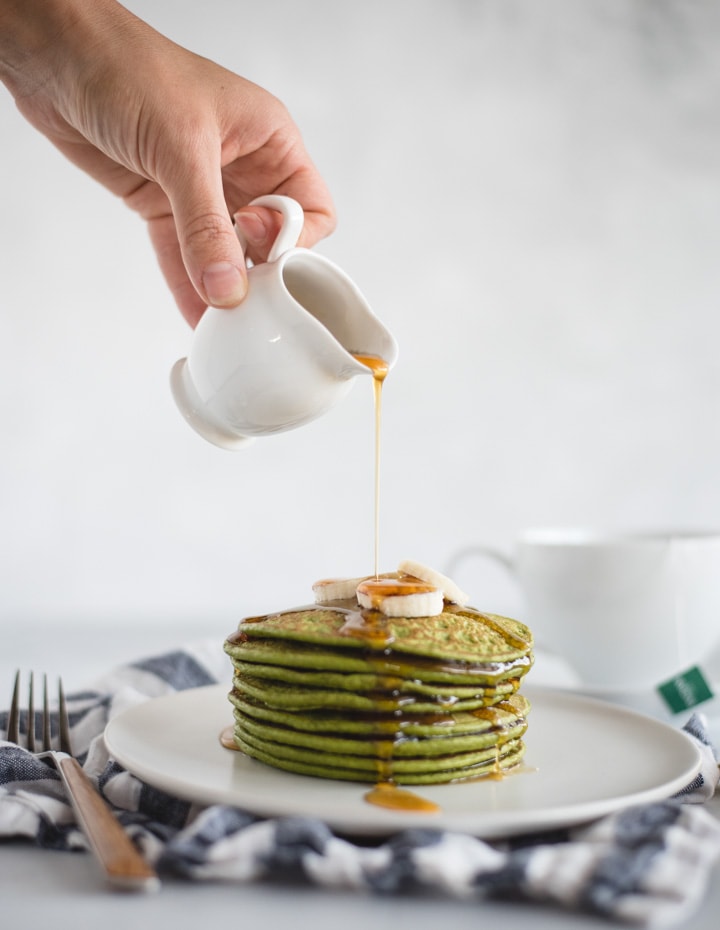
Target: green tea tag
{"points": [[685, 690]]}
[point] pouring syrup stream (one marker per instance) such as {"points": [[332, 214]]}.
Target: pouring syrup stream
{"points": [[379, 369], [386, 793]]}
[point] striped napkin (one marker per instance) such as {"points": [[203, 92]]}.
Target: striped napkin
{"points": [[647, 865]]}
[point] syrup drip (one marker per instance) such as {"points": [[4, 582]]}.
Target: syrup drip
{"points": [[227, 739], [386, 794], [370, 626], [379, 369], [496, 774]]}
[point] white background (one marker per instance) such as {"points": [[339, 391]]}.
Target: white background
{"points": [[529, 196]]}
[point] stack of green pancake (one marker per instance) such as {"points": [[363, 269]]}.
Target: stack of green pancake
{"points": [[338, 692]]}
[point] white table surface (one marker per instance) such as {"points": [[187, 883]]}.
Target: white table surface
{"points": [[67, 891]]}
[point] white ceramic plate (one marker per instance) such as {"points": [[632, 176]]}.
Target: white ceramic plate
{"points": [[585, 758]]}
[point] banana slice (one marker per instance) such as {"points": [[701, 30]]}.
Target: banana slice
{"points": [[336, 589], [400, 597], [448, 587]]}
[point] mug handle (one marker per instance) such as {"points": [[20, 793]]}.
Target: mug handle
{"points": [[292, 223], [472, 551]]}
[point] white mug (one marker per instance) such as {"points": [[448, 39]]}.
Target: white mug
{"points": [[627, 611], [286, 354]]}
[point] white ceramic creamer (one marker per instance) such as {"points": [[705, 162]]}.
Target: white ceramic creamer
{"points": [[286, 354]]}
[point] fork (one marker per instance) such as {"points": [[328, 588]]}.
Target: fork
{"points": [[124, 866]]}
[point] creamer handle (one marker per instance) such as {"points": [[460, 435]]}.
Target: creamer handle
{"points": [[293, 220]]}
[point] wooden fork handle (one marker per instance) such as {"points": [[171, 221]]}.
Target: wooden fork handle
{"points": [[124, 866]]}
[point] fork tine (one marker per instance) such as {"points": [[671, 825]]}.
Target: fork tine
{"points": [[65, 744], [31, 714], [13, 724], [46, 734]]}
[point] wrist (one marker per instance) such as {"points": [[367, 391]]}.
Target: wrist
{"points": [[38, 38]]}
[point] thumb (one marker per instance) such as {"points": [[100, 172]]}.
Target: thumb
{"points": [[212, 255]]}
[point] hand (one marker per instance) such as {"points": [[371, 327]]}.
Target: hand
{"points": [[183, 141]]}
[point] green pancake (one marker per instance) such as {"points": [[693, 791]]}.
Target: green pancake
{"points": [[367, 681], [459, 634], [293, 697], [451, 769]]}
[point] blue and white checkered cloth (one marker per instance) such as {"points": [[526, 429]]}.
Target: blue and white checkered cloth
{"points": [[647, 865]]}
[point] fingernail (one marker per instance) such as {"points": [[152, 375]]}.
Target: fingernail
{"points": [[224, 284], [252, 227]]}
